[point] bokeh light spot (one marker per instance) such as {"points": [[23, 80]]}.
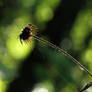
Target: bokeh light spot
{"points": [[88, 55], [40, 90], [17, 49], [2, 85], [44, 14]]}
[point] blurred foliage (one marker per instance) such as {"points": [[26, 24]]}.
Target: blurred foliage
{"points": [[15, 15]]}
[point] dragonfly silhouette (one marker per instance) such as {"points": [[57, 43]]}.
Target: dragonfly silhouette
{"points": [[30, 31]]}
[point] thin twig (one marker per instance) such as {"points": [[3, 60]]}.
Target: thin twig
{"points": [[62, 51]]}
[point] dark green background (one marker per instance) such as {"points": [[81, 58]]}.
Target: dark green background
{"points": [[37, 67]]}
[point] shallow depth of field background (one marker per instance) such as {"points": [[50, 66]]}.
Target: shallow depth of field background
{"points": [[36, 67]]}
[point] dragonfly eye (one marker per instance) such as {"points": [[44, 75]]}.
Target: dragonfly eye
{"points": [[26, 30]]}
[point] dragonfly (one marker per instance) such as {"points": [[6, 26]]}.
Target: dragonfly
{"points": [[30, 31]]}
